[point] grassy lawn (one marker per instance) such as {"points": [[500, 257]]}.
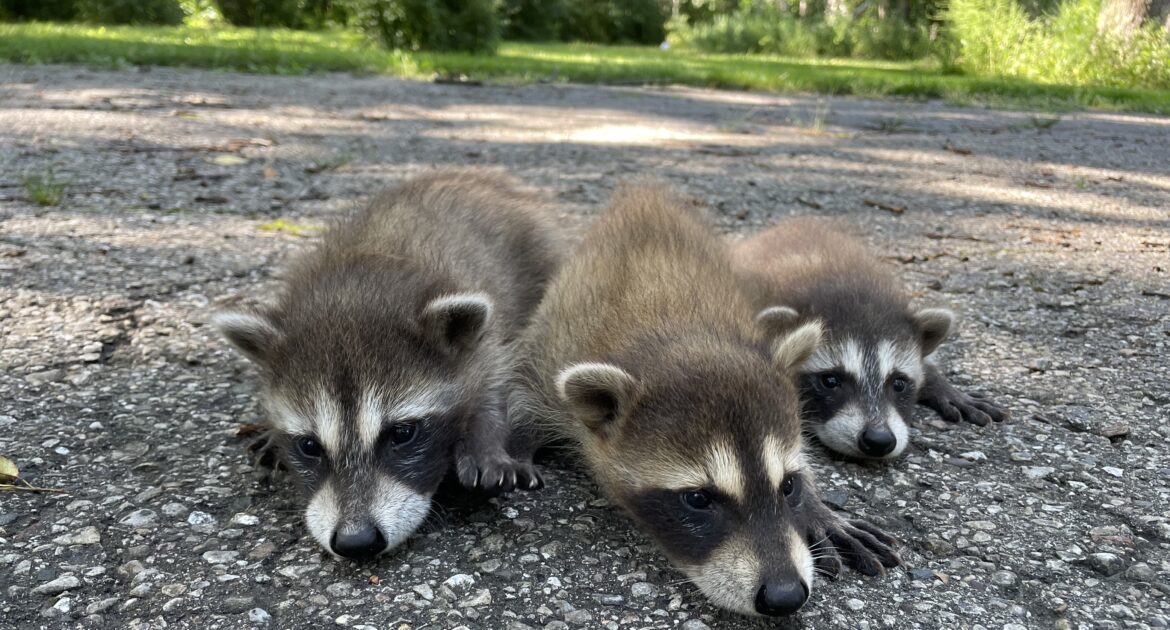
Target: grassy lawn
{"points": [[294, 52]]}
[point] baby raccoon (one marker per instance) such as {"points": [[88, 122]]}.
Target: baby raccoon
{"points": [[644, 358], [383, 361], [861, 385]]}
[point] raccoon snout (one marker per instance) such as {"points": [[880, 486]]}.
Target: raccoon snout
{"points": [[780, 598], [361, 543], [877, 442]]}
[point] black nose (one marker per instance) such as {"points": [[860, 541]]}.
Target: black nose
{"points": [[362, 543], [776, 599], [877, 442]]}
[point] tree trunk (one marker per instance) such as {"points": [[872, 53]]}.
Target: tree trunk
{"points": [[1122, 17]]}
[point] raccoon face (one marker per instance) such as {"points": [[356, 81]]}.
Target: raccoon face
{"points": [[860, 391], [703, 448], [368, 422]]}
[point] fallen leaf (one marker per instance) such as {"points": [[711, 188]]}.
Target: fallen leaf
{"points": [[374, 580], [957, 150], [8, 470], [884, 206], [228, 160], [270, 173]]}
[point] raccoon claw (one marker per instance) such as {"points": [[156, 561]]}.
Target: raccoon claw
{"points": [[956, 406], [497, 474], [861, 546], [265, 450]]}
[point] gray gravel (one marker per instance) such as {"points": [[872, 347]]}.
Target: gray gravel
{"points": [[1053, 240]]}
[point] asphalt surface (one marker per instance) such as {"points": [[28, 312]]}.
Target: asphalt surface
{"points": [[186, 190]]}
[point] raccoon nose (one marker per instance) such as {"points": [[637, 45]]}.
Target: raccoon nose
{"points": [[877, 442], [360, 544], [776, 599]]}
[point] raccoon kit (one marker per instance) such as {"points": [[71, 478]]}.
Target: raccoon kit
{"points": [[861, 385], [644, 357], [382, 363]]}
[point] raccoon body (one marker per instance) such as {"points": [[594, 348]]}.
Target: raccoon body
{"points": [[862, 383], [644, 358], [383, 360]]}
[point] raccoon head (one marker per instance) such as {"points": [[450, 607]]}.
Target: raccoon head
{"points": [[861, 386], [368, 410], [702, 446]]}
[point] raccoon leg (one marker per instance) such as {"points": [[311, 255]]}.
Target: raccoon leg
{"points": [[954, 405], [858, 544], [482, 461]]}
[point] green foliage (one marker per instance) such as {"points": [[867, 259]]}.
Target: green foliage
{"points": [[130, 11], [43, 10], [285, 13], [467, 25], [200, 11], [768, 30], [533, 20], [45, 189], [615, 21], [1000, 38]]}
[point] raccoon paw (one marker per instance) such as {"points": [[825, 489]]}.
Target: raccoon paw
{"points": [[496, 473], [265, 450], [861, 546], [954, 405]]}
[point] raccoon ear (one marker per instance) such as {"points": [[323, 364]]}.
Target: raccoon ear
{"points": [[775, 320], [456, 322], [790, 350], [251, 333], [934, 324], [596, 393]]}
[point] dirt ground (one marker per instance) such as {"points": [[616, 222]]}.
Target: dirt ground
{"points": [[1049, 234]]}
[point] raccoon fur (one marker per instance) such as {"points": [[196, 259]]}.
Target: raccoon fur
{"points": [[861, 385], [644, 358], [383, 360]]}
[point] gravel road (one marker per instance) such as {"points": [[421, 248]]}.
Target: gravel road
{"points": [[188, 189]]}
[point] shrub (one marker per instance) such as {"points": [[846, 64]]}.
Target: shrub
{"points": [[44, 10], [998, 38], [270, 13], [166, 12], [467, 25], [533, 20], [615, 21], [768, 30]]}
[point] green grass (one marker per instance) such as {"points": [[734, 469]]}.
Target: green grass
{"points": [[46, 189], [292, 52]]}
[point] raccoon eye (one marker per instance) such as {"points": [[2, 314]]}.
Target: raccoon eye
{"points": [[830, 381], [899, 385], [789, 485], [310, 448], [402, 433], [696, 499]]}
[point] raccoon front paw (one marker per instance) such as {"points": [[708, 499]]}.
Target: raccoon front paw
{"points": [[264, 448], [856, 543], [954, 405], [496, 473]]}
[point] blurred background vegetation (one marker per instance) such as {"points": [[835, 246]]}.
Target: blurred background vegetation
{"points": [[1090, 52]]}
